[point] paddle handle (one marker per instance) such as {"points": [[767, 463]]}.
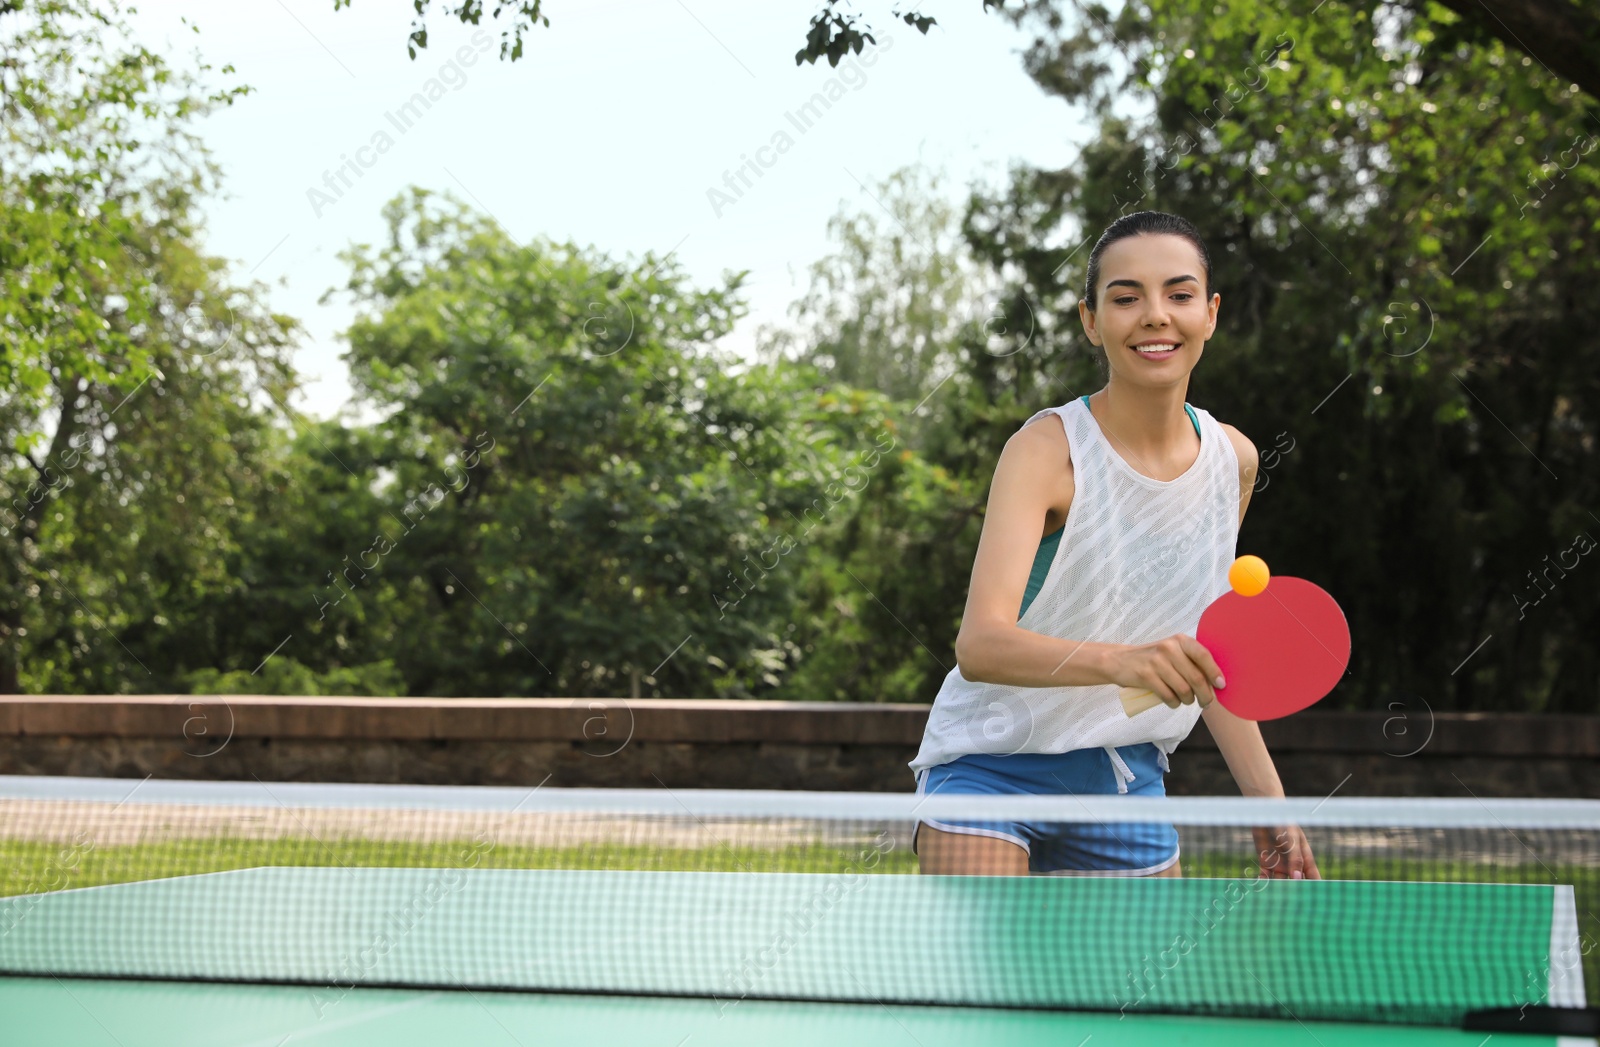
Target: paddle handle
{"points": [[1136, 700]]}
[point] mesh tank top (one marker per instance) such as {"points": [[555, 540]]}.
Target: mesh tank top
{"points": [[1138, 560]]}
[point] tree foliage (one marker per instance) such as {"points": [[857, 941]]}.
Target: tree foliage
{"points": [[97, 148], [892, 306], [1565, 34], [1402, 225], [129, 360], [572, 491]]}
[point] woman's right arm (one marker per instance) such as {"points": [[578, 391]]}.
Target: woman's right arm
{"points": [[1035, 473]]}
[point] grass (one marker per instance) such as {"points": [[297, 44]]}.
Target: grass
{"points": [[28, 867]]}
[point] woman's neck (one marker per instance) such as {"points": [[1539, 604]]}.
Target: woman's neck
{"points": [[1148, 424]]}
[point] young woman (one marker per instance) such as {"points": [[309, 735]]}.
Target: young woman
{"points": [[1111, 523]]}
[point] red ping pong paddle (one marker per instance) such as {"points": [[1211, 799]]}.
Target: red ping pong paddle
{"points": [[1280, 650]]}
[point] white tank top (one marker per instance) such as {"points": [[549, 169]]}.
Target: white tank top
{"points": [[1139, 560]]}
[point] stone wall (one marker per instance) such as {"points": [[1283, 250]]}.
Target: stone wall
{"points": [[729, 744]]}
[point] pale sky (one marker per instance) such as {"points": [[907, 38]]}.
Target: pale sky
{"points": [[609, 131]]}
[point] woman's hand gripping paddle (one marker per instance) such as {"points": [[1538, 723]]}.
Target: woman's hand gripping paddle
{"points": [[1281, 643]]}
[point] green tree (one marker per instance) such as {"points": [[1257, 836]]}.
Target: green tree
{"points": [[891, 307], [1565, 33], [128, 364], [97, 143], [301, 521], [881, 599], [900, 308], [1402, 226], [287, 676], [582, 497]]}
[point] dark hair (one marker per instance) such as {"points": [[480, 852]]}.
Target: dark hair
{"points": [[1152, 223]]}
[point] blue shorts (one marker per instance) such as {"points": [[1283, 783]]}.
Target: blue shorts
{"points": [[1065, 848]]}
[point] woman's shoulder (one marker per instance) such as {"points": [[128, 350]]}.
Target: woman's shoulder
{"points": [[1038, 458], [1242, 447], [1042, 440]]}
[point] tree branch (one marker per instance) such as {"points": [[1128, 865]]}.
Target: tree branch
{"points": [[1554, 33]]}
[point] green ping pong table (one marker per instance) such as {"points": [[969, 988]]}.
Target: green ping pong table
{"points": [[249, 914], [397, 956], [49, 1012]]}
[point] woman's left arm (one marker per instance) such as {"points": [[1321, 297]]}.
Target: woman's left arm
{"points": [[1283, 850]]}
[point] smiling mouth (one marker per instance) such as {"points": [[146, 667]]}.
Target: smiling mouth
{"points": [[1159, 349]]}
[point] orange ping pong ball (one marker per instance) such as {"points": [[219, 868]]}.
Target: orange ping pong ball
{"points": [[1249, 575]]}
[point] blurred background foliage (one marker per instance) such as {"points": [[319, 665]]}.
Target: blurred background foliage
{"points": [[572, 491]]}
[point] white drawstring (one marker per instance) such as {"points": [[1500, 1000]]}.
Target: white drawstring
{"points": [[1124, 776]]}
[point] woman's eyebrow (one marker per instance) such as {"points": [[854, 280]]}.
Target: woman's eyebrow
{"points": [[1136, 285]]}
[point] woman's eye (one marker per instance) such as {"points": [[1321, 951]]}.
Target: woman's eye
{"points": [[1183, 296]]}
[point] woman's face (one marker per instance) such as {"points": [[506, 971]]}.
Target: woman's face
{"points": [[1153, 319]]}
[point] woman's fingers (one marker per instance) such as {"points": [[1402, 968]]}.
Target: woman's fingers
{"points": [[1209, 670], [1286, 854], [1310, 869], [1189, 659], [1195, 659], [1177, 688], [1270, 844], [1178, 670], [1195, 679]]}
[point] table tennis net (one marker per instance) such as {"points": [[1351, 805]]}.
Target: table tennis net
{"points": [[1427, 910]]}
